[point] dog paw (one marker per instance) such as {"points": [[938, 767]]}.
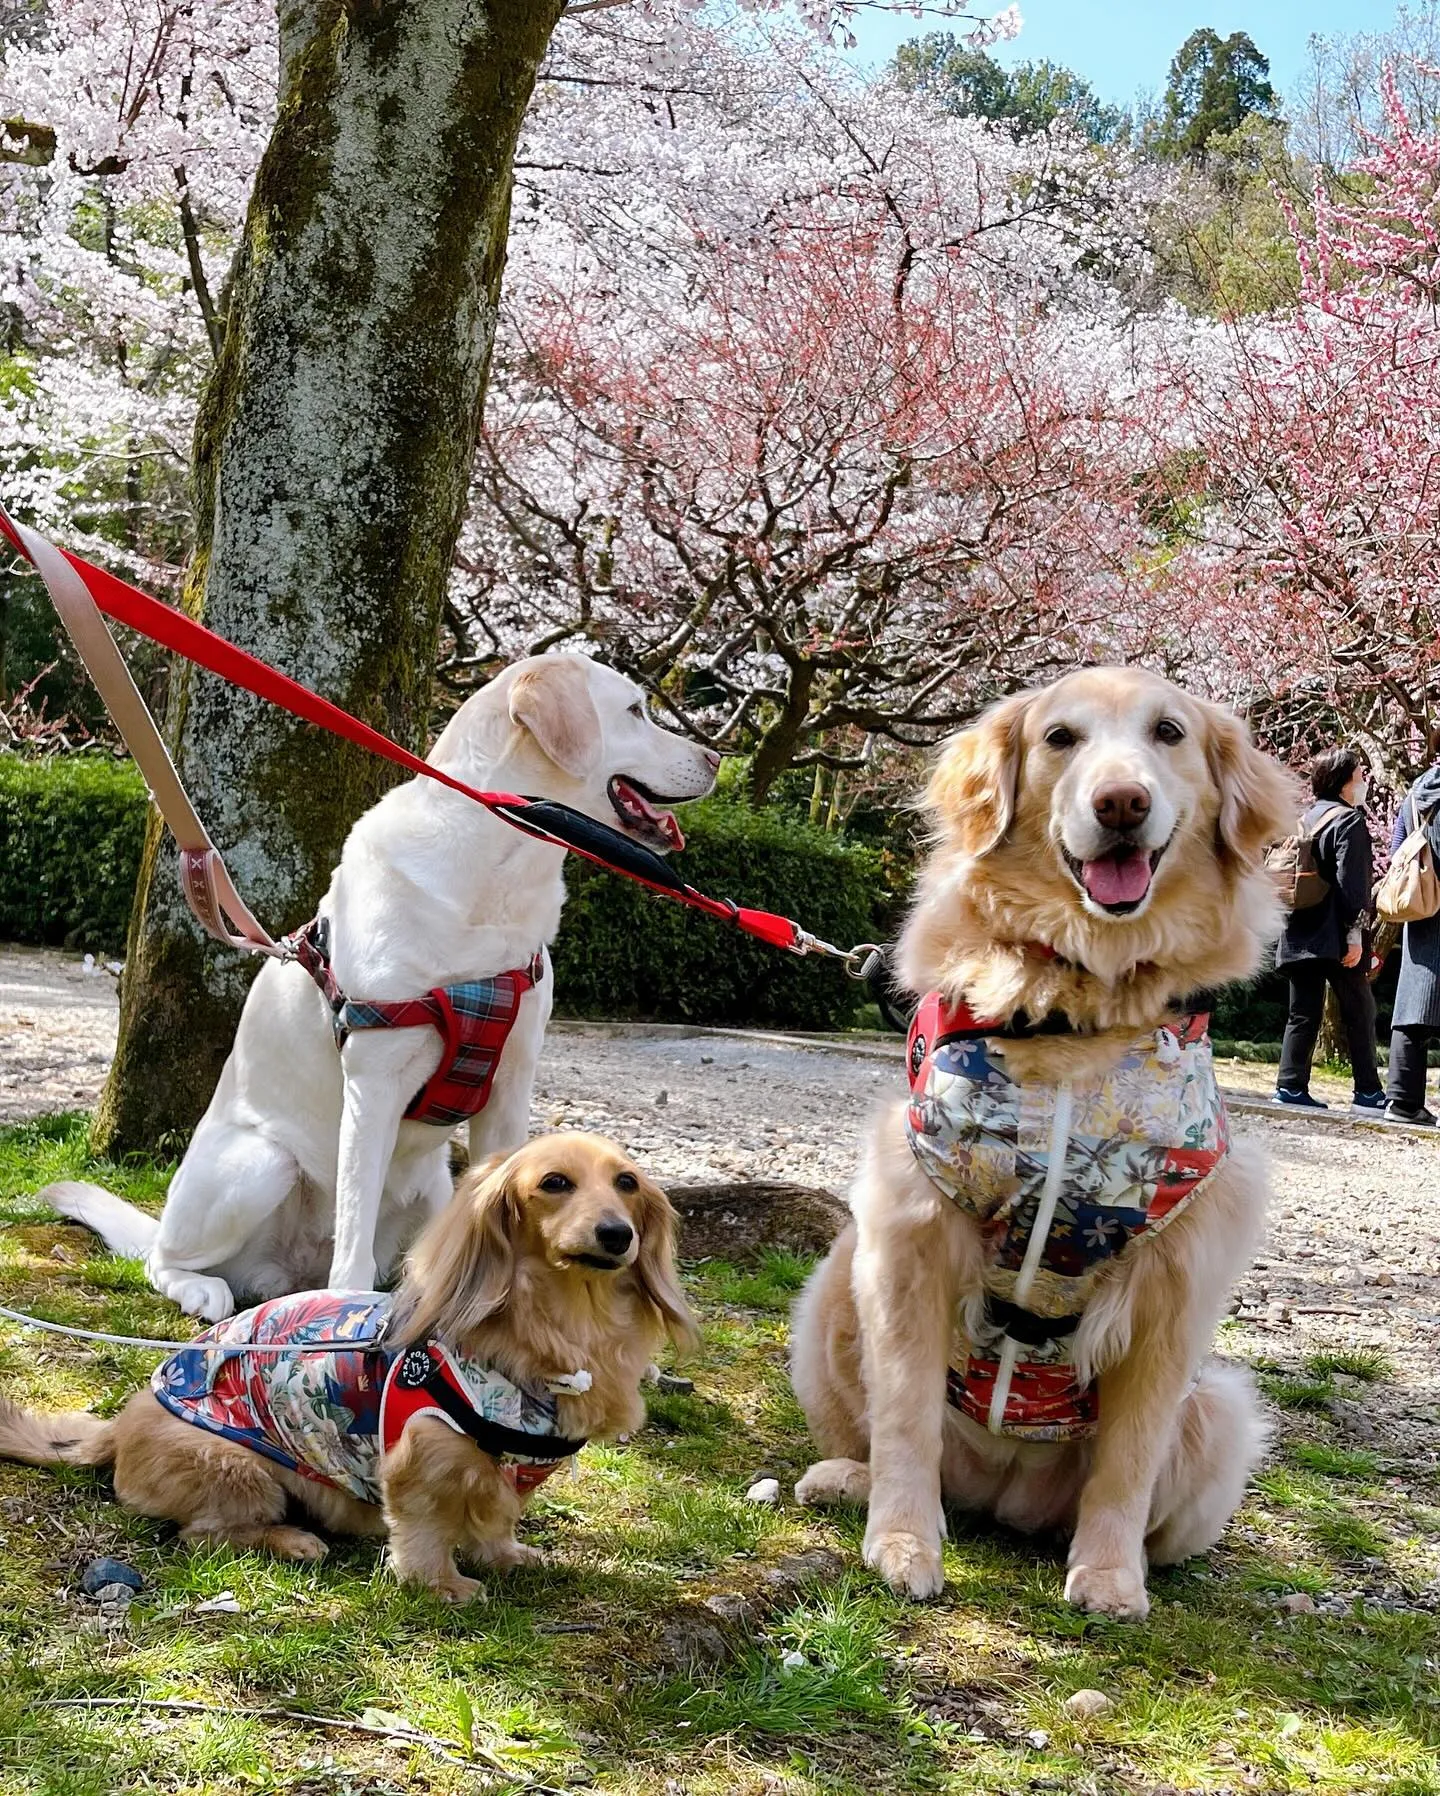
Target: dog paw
{"points": [[834, 1481], [509, 1555], [455, 1587], [1108, 1590], [297, 1544], [211, 1299], [910, 1566]]}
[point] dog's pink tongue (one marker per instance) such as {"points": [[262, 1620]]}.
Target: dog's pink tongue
{"points": [[1121, 877]]}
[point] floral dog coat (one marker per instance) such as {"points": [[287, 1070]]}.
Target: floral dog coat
{"points": [[1062, 1178], [336, 1397]]}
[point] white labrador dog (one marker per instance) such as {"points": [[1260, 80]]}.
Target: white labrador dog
{"points": [[304, 1171]]}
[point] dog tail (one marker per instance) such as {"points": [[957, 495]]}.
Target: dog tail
{"points": [[124, 1229], [75, 1439]]}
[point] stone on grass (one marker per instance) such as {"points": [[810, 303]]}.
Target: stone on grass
{"points": [[730, 1605], [1084, 1705], [689, 1642], [1298, 1602], [791, 1662], [794, 1568], [764, 1490], [101, 1572], [114, 1596]]}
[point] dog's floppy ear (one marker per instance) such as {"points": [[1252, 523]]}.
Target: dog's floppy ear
{"points": [[655, 1265], [551, 698], [971, 794], [1259, 800], [460, 1271]]}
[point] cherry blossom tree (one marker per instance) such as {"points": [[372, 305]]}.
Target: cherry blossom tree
{"points": [[826, 450], [1314, 537]]}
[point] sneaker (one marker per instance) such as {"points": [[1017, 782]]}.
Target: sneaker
{"points": [[1368, 1100], [1301, 1100], [1417, 1119]]}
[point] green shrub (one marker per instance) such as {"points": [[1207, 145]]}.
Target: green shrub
{"points": [[70, 835], [624, 952], [71, 829]]}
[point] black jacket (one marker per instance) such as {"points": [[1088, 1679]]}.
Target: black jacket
{"points": [[1344, 856]]}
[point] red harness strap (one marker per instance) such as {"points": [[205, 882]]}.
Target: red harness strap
{"points": [[473, 1019]]}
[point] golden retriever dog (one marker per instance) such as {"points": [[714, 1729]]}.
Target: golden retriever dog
{"points": [[524, 1322], [1019, 1318]]}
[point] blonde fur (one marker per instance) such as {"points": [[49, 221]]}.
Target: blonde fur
{"points": [[510, 1273], [886, 1313]]}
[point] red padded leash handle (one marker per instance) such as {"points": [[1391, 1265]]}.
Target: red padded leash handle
{"points": [[172, 629]]}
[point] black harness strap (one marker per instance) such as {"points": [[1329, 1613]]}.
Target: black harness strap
{"points": [[1024, 1325], [490, 1437]]}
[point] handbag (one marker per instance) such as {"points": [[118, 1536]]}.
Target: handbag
{"points": [[1410, 890]]}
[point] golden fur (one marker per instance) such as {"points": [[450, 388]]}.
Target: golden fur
{"points": [[881, 1318], [497, 1276]]}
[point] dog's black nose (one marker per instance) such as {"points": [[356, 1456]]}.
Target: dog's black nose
{"points": [[614, 1235], [1121, 807]]}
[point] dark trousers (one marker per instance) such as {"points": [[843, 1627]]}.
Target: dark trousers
{"points": [[1409, 1051], [1308, 979]]}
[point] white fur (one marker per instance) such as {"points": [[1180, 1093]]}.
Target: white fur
{"points": [[303, 1171]]}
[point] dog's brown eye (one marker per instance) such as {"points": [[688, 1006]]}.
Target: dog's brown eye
{"points": [[626, 1181], [637, 709], [1167, 730], [556, 1181], [1060, 737]]}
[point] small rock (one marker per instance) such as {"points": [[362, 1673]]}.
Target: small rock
{"points": [[1038, 1738], [707, 1060], [729, 1605], [59, 1253], [114, 1596], [792, 1662], [1384, 1279], [691, 1641], [1084, 1705], [101, 1572], [794, 1568], [675, 1385], [1298, 1602], [662, 1098], [224, 1604], [764, 1490]]}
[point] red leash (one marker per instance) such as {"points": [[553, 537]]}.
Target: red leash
{"points": [[80, 589]]}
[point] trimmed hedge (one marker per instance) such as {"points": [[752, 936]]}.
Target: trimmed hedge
{"points": [[622, 952], [71, 829]]}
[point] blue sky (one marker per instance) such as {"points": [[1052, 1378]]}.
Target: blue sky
{"points": [[1123, 47]]}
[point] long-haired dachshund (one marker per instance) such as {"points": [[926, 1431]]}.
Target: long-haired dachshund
{"points": [[527, 1314]]}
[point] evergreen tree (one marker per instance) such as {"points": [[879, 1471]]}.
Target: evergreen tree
{"points": [[1215, 85]]}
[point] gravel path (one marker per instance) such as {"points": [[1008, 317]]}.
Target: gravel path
{"points": [[1354, 1248]]}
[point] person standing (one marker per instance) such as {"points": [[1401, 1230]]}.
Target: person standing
{"points": [[1416, 1020], [1323, 945]]}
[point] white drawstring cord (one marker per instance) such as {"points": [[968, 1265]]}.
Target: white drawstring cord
{"points": [[1035, 1247]]}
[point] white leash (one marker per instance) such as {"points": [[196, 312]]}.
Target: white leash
{"points": [[564, 1384], [90, 1334]]}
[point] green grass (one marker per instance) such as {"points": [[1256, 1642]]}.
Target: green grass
{"points": [[604, 1669]]}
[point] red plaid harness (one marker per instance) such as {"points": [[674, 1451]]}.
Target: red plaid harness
{"points": [[474, 1021]]}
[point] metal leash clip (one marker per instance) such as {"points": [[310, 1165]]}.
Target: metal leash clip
{"points": [[862, 961]]}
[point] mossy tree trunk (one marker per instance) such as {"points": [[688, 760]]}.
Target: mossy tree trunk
{"points": [[332, 456]]}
